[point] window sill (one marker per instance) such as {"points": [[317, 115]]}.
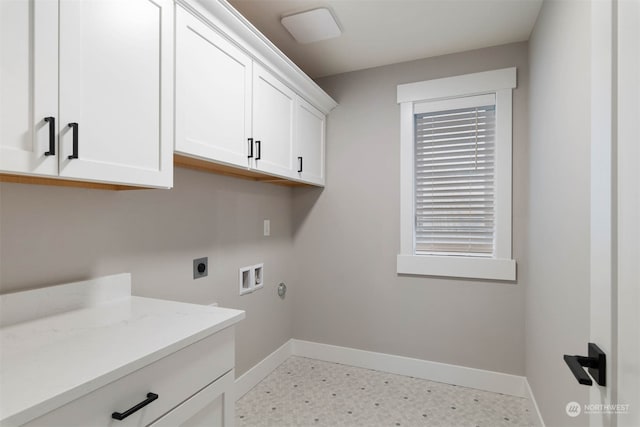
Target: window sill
{"points": [[472, 268]]}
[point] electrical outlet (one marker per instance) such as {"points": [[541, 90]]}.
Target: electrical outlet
{"points": [[200, 267], [267, 227]]}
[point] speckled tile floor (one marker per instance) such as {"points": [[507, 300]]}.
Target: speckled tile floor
{"points": [[306, 392]]}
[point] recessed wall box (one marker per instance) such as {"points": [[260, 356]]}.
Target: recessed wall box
{"points": [[251, 278], [258, 275], [246, 280]]}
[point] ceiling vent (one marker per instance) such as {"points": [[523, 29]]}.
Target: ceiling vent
{"points": [[312, 26]]}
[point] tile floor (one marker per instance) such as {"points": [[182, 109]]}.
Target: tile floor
{"points": [[306, 392]]}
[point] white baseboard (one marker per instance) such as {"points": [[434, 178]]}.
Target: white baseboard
{"points": [[253, 376], [537, 418], [496, 382]]}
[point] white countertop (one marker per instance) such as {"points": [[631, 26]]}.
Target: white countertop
{"points": [[52, 360]]}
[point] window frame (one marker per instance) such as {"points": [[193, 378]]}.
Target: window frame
{"points": [[501, 266]]}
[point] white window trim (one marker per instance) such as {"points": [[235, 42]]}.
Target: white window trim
{"points": [[501, 266]]}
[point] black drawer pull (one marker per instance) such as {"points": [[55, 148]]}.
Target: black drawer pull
{"points": [[52, 136], [300, 163], [122, 415], [74, 127], [250, 140], [258, 147]]}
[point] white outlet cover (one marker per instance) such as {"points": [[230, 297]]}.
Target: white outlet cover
{"points": [[267, 227]]}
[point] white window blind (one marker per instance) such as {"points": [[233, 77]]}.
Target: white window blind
{"points": [[455, 177]]}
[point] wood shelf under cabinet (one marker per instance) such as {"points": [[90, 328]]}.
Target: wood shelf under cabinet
{"points": [[252, 175], [179, 161], [37, 180]]}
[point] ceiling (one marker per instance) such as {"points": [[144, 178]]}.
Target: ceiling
{"points": [[380, 32]]}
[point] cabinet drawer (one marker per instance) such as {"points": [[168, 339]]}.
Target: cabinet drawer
{"points": [[174, 378]]}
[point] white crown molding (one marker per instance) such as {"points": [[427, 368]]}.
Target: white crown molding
{"points": [[238, 30]]}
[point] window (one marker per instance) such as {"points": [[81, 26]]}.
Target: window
{"points": [[456, 176]]}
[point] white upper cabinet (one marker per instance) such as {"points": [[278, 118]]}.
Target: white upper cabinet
{"points": [[309, 143], [239, 101], [114, 90], [116, 83], [213, 94], [273, 123], [28, 86]]}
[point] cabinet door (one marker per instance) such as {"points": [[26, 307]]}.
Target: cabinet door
{"points": [[212, 406], [116, 83], [273, 117], [309, 152], [213, 94], [28, 85]]}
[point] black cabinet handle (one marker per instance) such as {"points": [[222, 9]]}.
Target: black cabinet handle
{"points": [[250, 141], [258, 147], [52, 136], [300, 163], [122, 415], [74, 127]]}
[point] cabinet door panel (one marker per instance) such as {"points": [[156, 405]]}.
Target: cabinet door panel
{"points": [[213, 94], [310, 131], [273, 118], [116, 83], [212, 406], [28, 85]]}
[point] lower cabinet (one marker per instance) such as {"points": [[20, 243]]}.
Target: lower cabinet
{"points": [[191, 387]]}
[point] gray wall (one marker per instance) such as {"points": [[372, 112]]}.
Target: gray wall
{"points": [[346, 237], [557, 320], [51, 235]]}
